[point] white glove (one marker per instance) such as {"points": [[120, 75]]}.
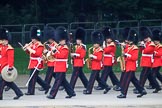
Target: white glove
{"points": [[75, 54], [31, 50], [142, 43], [48, 54], [53, 48], [45, 51], [128, 55], [123, 44], [92, 56], [104, 45]]}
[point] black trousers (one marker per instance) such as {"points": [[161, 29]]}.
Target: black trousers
{"points": [[61, 80], [78, 72], [126, 79], [121, 78], [145, 74], [107, 71], [94, 76], [49, 75], [158, 76], [12, 85], [154, 76], [36, 78]]}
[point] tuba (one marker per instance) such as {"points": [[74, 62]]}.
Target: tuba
{"points": [[121, 60], [88, 60]]}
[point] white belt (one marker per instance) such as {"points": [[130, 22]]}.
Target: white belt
{"points": [[147, 55], [36, 58], [62, 60], [39, 59], [108, 55]]}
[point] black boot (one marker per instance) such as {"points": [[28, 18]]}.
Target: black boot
{"points": [[98, 88], [86, 92], [156, 90], [107, 90], [7, 88], [121, 96], [141, 94], [29, 94], [117, 88], [1, 98], [17, 97], [70, 96], [50, 97]]}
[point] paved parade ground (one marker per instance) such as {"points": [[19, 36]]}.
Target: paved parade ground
{"points": [[96, 100]]}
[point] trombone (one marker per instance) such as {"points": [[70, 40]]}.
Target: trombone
{"points": [[88, 60]]}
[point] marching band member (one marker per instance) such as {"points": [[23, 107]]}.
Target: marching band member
{"points": [[124, 47], [7, 59], [131, 57], [60, 54], [35, 50], [49, 34], [96, 63], [78, 58], [109, 50], [157, 59], [147, 48]]}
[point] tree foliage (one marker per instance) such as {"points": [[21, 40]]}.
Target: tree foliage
{"points": [[44, 11]]}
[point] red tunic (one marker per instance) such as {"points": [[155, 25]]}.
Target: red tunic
{"points": [[37, 56], [81, 52], [109, 54], [0, 54], [7, 56], [61, 58], [147, 55], [131, 62], [157, 56], [50, 63], [97, 62]]}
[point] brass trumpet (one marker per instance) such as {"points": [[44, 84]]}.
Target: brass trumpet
{"points": [[88, 60], [25, 46]]}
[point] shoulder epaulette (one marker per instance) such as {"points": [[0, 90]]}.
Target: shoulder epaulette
{"points": [[84, 46], [10, 47], [40, 44], [111, 44], [100, 49], [135, 47], [66, 47], [152, 44]]}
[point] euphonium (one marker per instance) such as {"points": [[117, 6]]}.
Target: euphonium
{"points": [[47, 55], [88, 60], [121, 60]]}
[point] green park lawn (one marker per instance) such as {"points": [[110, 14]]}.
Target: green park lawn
{"points": [[22, 59]]}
